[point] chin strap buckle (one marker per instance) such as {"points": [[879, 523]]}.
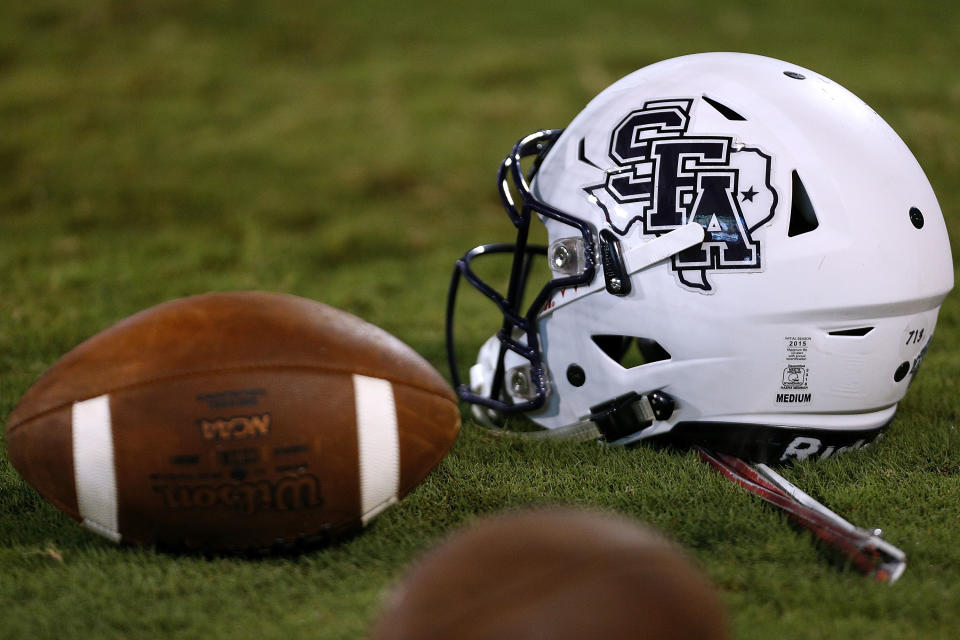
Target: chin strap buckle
{"points": [[631, 413], [614, 269]]}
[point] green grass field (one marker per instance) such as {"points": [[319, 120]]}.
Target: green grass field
{"points": [[346, 152]]}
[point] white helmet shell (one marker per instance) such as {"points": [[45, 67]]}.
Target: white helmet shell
{"points": [[808, 305]]}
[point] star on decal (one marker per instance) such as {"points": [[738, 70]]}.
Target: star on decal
{"points": [[748, 194]]}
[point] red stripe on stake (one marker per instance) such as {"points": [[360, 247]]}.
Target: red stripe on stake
{"points": [[868, 553]]}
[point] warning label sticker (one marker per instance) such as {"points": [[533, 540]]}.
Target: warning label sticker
{"points": [[795, 371], [797, 348]]}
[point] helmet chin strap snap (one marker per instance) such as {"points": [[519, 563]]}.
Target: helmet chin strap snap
{"points": [[624, 417], [615, 272]]}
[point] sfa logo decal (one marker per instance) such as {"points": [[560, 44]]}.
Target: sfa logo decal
{"points": [[664, 178]]}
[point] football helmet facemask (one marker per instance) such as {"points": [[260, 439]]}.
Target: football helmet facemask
{"points": [[742, 255]]}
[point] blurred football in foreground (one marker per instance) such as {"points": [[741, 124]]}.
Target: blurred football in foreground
{"points": [[233, 421], [555, 574]]}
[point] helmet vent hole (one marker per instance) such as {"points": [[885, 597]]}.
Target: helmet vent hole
{"points": [[582, 154], [853, 333], [794, 75], [630, 352], [724, 110], [803, 219]]}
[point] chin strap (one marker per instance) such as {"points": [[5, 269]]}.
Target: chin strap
{"points": [[618, 421], [867, 551], [622, 419]]}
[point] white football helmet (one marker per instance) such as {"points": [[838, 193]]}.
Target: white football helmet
{"points": [[744, 255]]}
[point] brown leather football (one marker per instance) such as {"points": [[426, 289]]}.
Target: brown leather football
{"points": [[556, 574], [232, 421]]}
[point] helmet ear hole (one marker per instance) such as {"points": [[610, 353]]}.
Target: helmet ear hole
{"points": [[629, 351]]}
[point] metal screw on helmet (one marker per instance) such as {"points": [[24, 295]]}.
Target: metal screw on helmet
{"points": [[566, 256], [521, 383], [561, 257]]}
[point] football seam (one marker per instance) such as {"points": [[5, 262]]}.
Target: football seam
{"points": [[11, 428]]}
